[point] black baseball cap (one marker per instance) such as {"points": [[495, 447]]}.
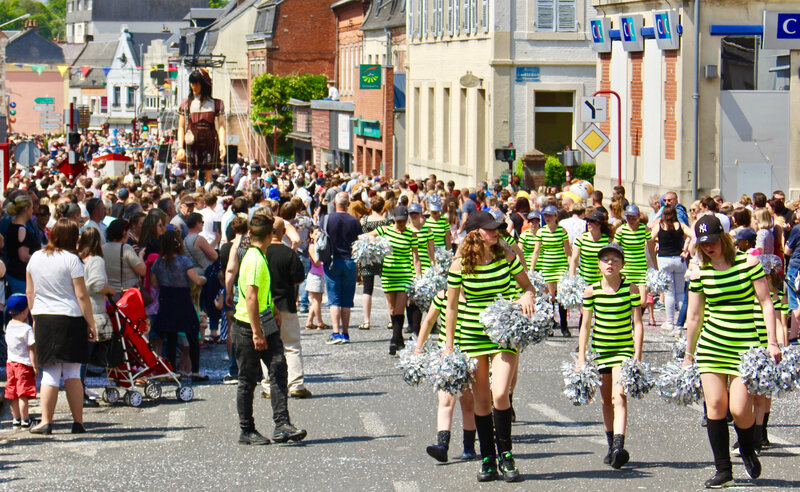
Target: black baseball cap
{"points": [[708, 228], [746, 234], [400, 213], [611, 248], [481, 220], [596, 216]]}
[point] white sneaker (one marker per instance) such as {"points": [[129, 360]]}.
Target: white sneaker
{"points": [[667, 326], [676, 332], [90, 394]]}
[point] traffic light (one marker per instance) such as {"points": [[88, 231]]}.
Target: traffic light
{"points": [[505, 154], [12, 112], [145, 123]]}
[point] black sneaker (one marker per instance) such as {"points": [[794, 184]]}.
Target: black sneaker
{"points": [[488, 471], [27, 423], [16, 423], [566, 333], [508, 468], [752, 466], [721, 479], [607, 459], [618, 458], [228, 379], [765, 442], [468, 455], [437, 452], [288, 432], [252, 437], [393, 349]]}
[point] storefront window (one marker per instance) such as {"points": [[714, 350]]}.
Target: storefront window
{"points": [[746, 66]]}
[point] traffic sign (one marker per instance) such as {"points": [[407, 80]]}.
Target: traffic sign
{"points": [[49, 126], [594, 109], [45, 100], [592, 140], [781, 30], [27, 153], [44, 107]]}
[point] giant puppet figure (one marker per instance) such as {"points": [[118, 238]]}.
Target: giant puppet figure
{"points": [[202, 144]]}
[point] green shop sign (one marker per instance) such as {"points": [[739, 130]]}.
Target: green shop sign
{"points": [[369, 77]]}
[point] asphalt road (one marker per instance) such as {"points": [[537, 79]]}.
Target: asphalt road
{"points": [[367, 430]]}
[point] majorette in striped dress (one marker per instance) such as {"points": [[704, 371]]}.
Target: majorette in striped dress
{"points": [[423, 236], [440, 302], [589, 249], [398, 267], [612, 333], [552, 258], [634, 243], [528, 242], [480, 289], [729, 329], [439, 229], [369, 226]]}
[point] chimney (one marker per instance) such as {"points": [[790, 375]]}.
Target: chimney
{"points": [[31, 25]]}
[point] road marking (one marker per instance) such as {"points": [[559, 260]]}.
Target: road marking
{"points": [[570, 426], [406, 487], [175, 423], [372, 424]]}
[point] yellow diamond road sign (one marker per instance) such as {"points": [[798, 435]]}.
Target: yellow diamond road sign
{"points": [[592, 140]]}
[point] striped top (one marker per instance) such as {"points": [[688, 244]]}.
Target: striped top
{"points": [[402, 243], [439, 229], [612, 335], [423, 236], [729, 329], [552, 257], [488, 280], [634, 244], [589, 250], [528, 243]]}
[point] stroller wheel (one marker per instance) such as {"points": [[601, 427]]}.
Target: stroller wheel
{"points": [[184, 393], [153, 390], [133, 398], [111, 395]]}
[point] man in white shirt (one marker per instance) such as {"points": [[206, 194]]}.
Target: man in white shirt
{"points": [[206, 207], [97, 212], [333, 92]]}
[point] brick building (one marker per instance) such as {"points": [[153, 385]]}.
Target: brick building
{"points": [[332, 134], [349, 17]]}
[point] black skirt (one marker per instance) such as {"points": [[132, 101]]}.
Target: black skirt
{"points": [[60, 339], [176, 312]]}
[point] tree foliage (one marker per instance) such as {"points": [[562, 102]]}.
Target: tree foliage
{"points": [[50, 17], [270, 91], [556, 174]]}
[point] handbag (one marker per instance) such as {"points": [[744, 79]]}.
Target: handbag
{"points": [[109, 353], [324, 245], [268, 324], [188, 137], [104, 328]]}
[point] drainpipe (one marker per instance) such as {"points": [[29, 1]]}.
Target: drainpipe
{"points": [[696, 101]]}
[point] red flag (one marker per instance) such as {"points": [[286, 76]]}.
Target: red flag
{"points": [[85, 71]]}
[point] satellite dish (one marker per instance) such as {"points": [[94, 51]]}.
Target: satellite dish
{"points": [[469, 80], [27, 154]]}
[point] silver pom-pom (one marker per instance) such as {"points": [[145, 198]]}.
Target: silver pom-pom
{"points": [[580, 386], [414, 366], [452, 373], [509, 327], [570, 291], [770, 263], [545, 314], [636, 378], [366, 252], [537, 279], [679, 348], [423, 289], [789, 370], [657, 281], [443, 257], [680, 385], [759, 372]]}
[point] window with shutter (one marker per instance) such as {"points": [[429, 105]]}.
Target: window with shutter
{"points": [[423, 7], [410, 26], [441, 18], [485, 15], [566, 15], [545, 15], [473, 16], [457, 17], [450, 23]]}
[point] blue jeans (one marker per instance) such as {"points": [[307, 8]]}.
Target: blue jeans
{"points": [[302, 292], [791, 274], [684, 306], [340, 282], [14, 286]]}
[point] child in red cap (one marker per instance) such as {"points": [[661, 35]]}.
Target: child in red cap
{"points": [[21, 366]]}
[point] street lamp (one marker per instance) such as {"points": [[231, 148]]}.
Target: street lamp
{"points": [[23, 16]]}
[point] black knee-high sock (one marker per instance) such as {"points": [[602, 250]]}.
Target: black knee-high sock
{"points": [[619, 441], [720, 443], [414, 315], [610, 439], [483, 424], [469, 440], [502, 430], [562, 312], [764, 429], [746, 439], [443, 439], [397, 329]]}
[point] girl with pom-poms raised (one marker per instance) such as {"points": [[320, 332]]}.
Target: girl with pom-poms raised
{"points": [[483, 270], [721, 315], [614, 303]]}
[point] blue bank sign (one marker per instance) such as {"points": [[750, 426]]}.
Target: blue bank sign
{"points": [[666, 30], [601, 35], [781, 30], [630, 27]]}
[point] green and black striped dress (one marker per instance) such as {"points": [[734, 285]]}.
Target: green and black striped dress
{"points": [[758, 314], [612, 333], [440, 302], [438, 228], [729, 329], [423, 236], [398, 267], [528, 242], [552, 260], [589, 249], [480, 289], [634, 244]]}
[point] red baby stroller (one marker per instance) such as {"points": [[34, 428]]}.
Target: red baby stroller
{"points": [[140, 366]]}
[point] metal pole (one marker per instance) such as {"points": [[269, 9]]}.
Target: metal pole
{"points": [[619, 131], [696, 102], [141, 79], [275, 140]]}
